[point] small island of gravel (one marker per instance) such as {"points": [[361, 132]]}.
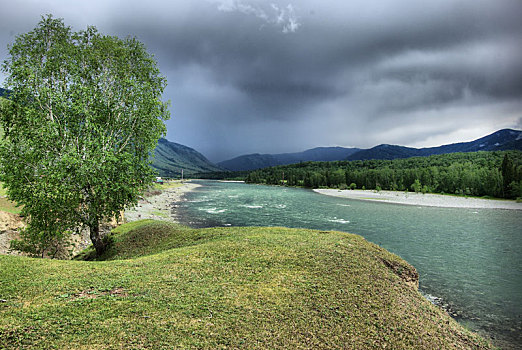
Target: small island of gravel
{"points": [[420, 199]]}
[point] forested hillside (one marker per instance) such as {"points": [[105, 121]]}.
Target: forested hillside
{"points": [[170, 158], [502, 140], [259, 161], [495, 174]]}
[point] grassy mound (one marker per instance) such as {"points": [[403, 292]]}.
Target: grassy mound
{"points": [[143, 237], [223, 288]]}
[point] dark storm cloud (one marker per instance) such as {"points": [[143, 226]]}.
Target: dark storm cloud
{"points": [[257, 76]]}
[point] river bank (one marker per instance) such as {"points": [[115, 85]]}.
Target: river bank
{"points": [[165, 286], [466, 257], [154, 206], [159, 206], [419, 199]]}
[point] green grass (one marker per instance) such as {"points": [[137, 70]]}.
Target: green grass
{"points": [[9, 206], [6, 204], [160, 213], [3, 191], [167, 286], [167, 185], [156, 188]]}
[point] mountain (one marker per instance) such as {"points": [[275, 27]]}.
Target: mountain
{"points": [[250, 162], [258, 161], [506, 139], [502, 140], [171, 157]]}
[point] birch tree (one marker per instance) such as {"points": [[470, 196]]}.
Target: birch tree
{"points": [[84, 114]]}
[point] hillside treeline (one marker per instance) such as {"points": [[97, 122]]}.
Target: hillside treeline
{"points": [[494, 174]]}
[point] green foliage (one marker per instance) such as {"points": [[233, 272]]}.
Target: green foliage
{"points": [[353, 186], [511, 182], [224, 175], [168, 287], [40, 243], [416, 186], [83, 116], [476, 174]]}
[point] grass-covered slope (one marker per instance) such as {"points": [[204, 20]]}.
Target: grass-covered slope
{"points": [[270, 288]]}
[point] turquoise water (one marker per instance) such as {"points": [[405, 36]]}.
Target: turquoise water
{"points": [[469, 260]]}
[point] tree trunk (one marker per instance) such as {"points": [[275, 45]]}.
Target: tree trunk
{"points": [[96, 238]]}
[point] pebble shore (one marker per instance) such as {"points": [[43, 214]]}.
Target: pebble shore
{"points": [[419, 199], [159, 207]]}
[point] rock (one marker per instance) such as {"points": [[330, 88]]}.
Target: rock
{"points": [[9, 221]]}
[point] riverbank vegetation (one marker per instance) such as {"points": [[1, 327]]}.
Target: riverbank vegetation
{"points": [[166, 286], [493, 174]]}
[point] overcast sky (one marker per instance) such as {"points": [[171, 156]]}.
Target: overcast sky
{"points": [[247, 76]]}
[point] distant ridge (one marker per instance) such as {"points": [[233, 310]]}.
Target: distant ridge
{"points": [[502, 140], [171, 157], [258, 161]]}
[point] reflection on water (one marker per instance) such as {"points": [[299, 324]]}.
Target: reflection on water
{"points": [[469, 260]]}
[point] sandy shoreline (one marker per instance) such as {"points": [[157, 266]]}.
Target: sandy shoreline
{"points": [[419, 199], [159, 207]]}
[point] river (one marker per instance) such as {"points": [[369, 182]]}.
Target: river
{"points": [[469, 260]]}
